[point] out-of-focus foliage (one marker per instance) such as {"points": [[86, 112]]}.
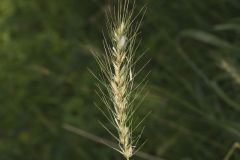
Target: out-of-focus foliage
{"points": [[45, 82]]}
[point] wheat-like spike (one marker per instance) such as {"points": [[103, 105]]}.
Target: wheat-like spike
{"points": [[231, 69], [117, 77]]}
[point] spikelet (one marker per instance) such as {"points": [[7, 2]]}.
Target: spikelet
{"points": [[117, 67]]}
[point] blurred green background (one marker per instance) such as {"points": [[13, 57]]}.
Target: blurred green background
{"points": [[194, 85]]}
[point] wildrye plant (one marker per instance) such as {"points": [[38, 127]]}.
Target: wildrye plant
{"points": [[117, 89]]}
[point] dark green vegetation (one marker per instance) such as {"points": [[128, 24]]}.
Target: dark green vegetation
{"points": [[44, 81]]}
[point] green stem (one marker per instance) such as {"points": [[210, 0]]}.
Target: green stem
{"points": [[232, 150]]}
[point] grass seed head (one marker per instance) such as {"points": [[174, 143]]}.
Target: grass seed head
{"points": [[117, 66]]}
